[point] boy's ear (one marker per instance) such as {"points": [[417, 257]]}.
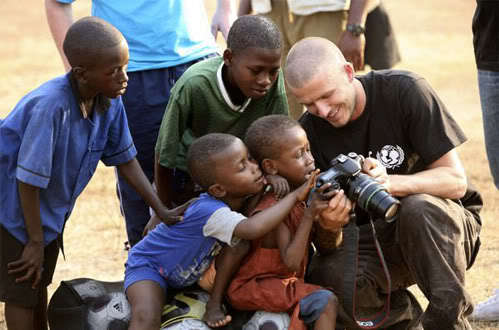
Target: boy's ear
{"points": [[228, 55], [217, 190], [269, 166], [79, 74]]}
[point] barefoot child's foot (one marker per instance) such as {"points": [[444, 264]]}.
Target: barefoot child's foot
{"points": [[215, 317]]}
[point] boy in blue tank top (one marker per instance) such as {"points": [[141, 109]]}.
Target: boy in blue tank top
{"points": [[212, 228]]}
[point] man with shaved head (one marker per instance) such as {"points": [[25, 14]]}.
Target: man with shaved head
{"points": [[397, 118]]}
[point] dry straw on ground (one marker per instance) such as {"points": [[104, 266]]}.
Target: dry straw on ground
{"points": [[435, 40]]}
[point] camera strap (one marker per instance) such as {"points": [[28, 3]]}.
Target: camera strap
{"points": [[351, 248]]}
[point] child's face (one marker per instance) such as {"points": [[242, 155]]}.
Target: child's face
{"points": [[254, 70], [108, 76], [295, 162], [237, 172]]}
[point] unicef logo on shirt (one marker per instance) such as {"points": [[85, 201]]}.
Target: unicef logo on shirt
{"points": [[390, 156]]}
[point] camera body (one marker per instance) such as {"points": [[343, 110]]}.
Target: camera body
{"points": [[367, 193]]}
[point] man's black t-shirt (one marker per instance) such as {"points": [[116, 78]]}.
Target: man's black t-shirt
{"points": [[404, 125], [486, 35]]}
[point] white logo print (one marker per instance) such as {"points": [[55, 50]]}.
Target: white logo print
{"points": [[390, 156]]}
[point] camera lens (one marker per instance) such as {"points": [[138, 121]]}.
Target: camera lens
{"points": [[373, 197]]}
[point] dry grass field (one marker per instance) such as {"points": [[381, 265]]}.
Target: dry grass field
{"points": [[435, 41]]}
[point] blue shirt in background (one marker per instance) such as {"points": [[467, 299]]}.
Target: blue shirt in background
{"points": [[160, 33]]}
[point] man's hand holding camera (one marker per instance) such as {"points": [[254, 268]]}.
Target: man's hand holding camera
{"points": [[336, 215], [373, 168]]}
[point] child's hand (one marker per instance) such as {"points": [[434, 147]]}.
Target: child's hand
{"points": [[280, 186], [318, 200], [172, 216], [302, 192], [30, 265], [151, 224]]}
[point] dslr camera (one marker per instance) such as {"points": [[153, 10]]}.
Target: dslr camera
{"points": [[369, 195]]}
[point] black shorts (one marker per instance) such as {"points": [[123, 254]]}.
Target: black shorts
{"points": [[21, 293]]}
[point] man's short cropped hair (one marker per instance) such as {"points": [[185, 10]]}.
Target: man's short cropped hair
{"points": [[310, 56], [200, 163], [253, 31], [86, 38], [264, 136]]}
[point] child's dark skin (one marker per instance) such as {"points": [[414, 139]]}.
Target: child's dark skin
{"points": [[107, 77], [237, 177], [250, 73], [295, 163]]}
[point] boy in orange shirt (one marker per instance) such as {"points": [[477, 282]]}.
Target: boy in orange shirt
{"points": [[271, 277]]}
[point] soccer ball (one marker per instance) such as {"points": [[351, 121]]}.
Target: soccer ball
{"points": [[188, 324], [112, 314], [107, 305], [278, 321]]}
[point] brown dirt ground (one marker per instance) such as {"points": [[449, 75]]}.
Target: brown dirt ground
{"points": [[435, 41]]}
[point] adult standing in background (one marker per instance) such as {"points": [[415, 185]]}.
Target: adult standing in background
{"points": [[381, 51], [340, 21], [486, 45], [164, 37]]}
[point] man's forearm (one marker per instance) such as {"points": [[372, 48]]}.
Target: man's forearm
{"points": [[440, 182], [327, 241], [244, 7], [359, 9], [59, 18]]}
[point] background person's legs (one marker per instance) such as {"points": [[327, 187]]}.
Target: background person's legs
{"points": [[145, 103], [488, 83]]}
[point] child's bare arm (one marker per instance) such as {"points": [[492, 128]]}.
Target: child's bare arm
{"points": [[263, 222], [134, 175], [163, 178], [31, 261], [293, 248]]}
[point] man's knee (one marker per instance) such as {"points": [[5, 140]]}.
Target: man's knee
{"points": [[418, 212]]}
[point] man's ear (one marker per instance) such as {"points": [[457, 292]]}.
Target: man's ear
{"points": [[80, 74], [349, 70], [217, 190], [228, 55], [269, 166]]}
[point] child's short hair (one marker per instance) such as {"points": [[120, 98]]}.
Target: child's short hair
{"points": [[253, 31], [86, 38], [264, 136], [200, 162]]}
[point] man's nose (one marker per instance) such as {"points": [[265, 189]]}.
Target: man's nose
{"points": [[322, 109]]}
